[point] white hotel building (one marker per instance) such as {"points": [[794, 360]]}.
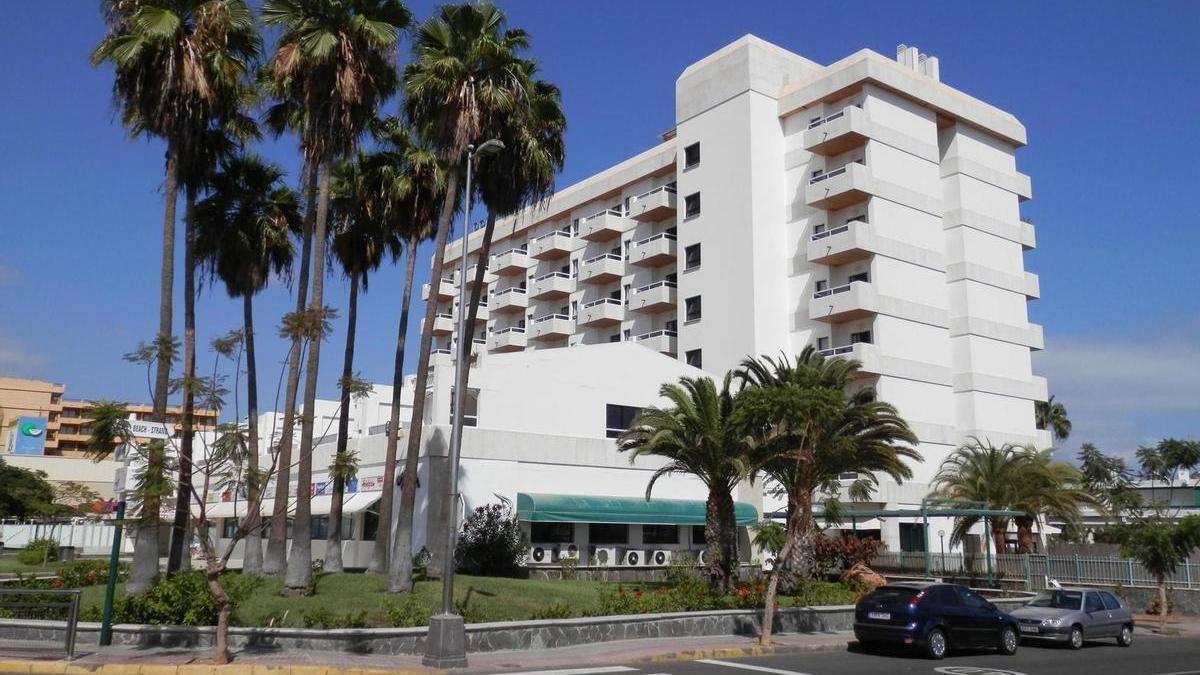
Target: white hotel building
{"points": [[863, 207]]}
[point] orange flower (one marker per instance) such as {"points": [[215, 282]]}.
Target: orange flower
{"points": [[637, 594], [57, 583], [742, 592], [759, 588]]}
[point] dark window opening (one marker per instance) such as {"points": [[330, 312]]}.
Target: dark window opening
{"points": [[691, 257], [618, 418], [694, 358], [698, 538], [608, 533], [861, 336], [692, 308], [691, 205], [552, 533], [861, 276], [660, 534], [912, 537], [691, 155]]}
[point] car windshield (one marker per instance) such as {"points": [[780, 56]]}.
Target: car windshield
{"points": [[1058, 599]]}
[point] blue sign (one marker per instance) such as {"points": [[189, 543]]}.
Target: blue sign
{"points": [[29, 436]]}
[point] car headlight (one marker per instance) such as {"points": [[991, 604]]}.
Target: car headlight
{"points": [[1052, 622]]}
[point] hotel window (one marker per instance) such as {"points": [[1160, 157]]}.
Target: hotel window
{"points": [[861, 276], [691, 308], [818, 229], [822, 343], [862, 336], [821, 284], [694, 358], [691, 205], [228, 528], [618, 418], [691, 156], [608, 533], [552, 533], [691, 257], [615, 337], [660, 534], [698, 538]]}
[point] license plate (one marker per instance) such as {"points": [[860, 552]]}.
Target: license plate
{"points": [[1029, 629], [879, 616]]}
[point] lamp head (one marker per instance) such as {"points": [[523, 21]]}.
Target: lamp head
{"points": [[489, 147]]}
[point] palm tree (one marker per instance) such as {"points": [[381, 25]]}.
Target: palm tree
{"points": [[360, 242], [243, 233], [335, 60], [175, 62], [408, 182], [811, 429], [698, 435], [984, 473], [1052, 415], [1051, 488], [465, 73]]}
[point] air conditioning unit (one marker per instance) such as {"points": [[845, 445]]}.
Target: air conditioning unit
{"points": [[571, 552], [660, 558], [634, 558], [541, 554], [603, 556]]}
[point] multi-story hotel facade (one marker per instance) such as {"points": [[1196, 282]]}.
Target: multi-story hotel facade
{"points": [[864, 208]]}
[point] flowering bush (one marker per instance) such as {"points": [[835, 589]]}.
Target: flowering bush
{"points": [[832, 554], [88, 573]]}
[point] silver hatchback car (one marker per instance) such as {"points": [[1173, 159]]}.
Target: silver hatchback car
{"points": [[1072, 615]]}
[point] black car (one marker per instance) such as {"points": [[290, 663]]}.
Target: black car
{"points": [[933, 617]]}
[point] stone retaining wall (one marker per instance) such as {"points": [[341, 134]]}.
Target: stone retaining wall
{"points": [[482, 637]]}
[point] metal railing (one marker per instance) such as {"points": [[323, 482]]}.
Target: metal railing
{"points": [[661, 235], [603, 256], [522, 250], [35, 599], [603, 301], [834, 351], [515, 289], [511, 329], [610, 211], [566, 232], [669, 189], [657, 284], [828, 118], [831, 174], [834, 291], [830, 233], [552, 275], [549, 317], [656, 333], [1036, 570]]}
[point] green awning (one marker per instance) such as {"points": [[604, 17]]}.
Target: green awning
{"points": [[542, 508]]}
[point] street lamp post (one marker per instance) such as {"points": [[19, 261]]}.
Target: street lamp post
{"points": [[942, 542], [446, 643]]}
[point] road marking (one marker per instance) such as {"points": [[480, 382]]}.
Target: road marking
{"points": [[974, 670], [1181, 672], [747, 666], [577, 670]]}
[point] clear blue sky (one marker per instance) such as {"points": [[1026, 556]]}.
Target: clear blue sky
{"points": [[1107, 92]]}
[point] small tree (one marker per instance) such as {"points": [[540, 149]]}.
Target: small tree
{"points": [[1160, 545], [492, 543]]}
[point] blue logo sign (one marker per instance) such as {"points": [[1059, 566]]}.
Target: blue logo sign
{"points": [[29, 437]]}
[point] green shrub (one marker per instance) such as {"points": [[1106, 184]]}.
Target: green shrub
{"points": [[681, 570], [817, 593], [555, 611], [38, 551], [470, 613], [83, 573], [320, 617], [409, 612], [570, 568], [182, 600], [492, 543]]}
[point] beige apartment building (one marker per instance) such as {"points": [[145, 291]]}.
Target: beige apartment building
{"points": [[63, 449]]}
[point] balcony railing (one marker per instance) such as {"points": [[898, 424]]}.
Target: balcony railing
{"points": [[657, 333], [515, 289], [835, 351], [552, 275], [551, 317], [827, 118], [603, 256], [661, 235], [603, 301], [611, 211], [825, 176], [670, 188], [565, 232], [833, 291], [657, 284], [830, 233], [510, 329]]}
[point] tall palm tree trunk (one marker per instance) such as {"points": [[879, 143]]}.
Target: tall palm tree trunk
{"points": [[145, 551], [379, 554], [183, 496], [276, 559], [298, 578], [333, 546], [720, 541], [799, 528], [252, 556], [400, 565], [485, 249]]}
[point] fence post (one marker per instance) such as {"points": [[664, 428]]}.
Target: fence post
{"points": [[1187, 572], [1129, 564], [1028, 573], [1078, 569]]}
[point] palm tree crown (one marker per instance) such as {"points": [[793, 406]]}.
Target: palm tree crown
{"points": [[1052, 415]]}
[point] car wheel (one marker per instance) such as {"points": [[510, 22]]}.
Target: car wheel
{"points": [[1125, 639], [1008, 641], [1075, 641], [935, 644]]}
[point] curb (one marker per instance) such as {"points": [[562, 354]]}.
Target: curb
{"points": [[741, 652], [61, 668]]}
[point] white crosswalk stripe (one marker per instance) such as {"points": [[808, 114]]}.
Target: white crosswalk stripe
{"points": [[747, 666], [577, 671]]}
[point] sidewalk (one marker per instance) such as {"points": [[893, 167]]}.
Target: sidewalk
{"points": [[43, 659]]}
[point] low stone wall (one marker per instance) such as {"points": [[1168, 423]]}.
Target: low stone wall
{"points": [[1184, 601], [482, 637], [622, 574]]}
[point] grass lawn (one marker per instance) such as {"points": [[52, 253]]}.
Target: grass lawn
{"points": [[12, 566]]}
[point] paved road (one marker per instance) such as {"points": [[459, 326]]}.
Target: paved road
{"points": [[1148, 656]]}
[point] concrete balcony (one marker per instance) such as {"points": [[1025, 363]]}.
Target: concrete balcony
{"points": [[472, 270], [665, 341], [655, 204], [552, 327], [600, 313], [552, 285], [513, 262], [557, 244], [840, 245], [509, 300], [837, 133], [443, 324], [482, 313], [602, 226], [441, 355], [839, 188], [510, 339], [659, 296], [654, 251], [602, 269], [478, 346], [445, 290], [865, 353], [854, 300]]}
